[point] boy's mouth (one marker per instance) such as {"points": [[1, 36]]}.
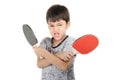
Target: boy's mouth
{"points": [[56, 34]]}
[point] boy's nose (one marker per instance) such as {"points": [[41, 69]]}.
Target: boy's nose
{"points": [[55, 28]]}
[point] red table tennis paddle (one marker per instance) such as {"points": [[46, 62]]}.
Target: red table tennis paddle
{"points": [[86, 44]]}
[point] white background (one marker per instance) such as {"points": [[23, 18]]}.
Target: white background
{"points": [[98, 17]]}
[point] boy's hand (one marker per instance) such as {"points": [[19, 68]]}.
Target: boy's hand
{"points": [[37, 51], [65, 56]]}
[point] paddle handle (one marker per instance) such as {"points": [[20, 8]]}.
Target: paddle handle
{"points": [[75, 51]]}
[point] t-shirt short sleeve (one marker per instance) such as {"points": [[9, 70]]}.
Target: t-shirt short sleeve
{"points": [[68, 44]]}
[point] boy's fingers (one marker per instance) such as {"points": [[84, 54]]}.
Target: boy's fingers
{"points": [[71, 54], [66, 59], [34, 46]]}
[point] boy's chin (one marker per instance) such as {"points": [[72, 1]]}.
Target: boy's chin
{"points": [[56, 38]]}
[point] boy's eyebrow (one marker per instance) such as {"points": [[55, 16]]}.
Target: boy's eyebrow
{"points": [[50, 22], [60, 23]]}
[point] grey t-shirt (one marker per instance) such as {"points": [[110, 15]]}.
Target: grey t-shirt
{"points": [[52, 72]]}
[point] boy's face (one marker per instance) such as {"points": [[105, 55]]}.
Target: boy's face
{"points": [[58, 29]]}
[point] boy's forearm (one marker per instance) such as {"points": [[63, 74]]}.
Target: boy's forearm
{"points": [[42, 63], [52, 59], [58, 55]]}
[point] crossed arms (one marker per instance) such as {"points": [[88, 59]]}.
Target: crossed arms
{"points": [[61, 60]]}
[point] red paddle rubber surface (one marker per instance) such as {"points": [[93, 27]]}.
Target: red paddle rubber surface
{"points": [[86, 43]]}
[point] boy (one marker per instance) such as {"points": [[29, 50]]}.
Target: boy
{"points": [[55, 55]]}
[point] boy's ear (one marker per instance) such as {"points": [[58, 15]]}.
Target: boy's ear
{"points": [[68, 24]]}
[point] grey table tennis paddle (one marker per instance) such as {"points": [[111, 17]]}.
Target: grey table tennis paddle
{"points": [[29, 34]]}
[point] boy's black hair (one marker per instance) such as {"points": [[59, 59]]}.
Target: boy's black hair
{"points": [[57, 12]]}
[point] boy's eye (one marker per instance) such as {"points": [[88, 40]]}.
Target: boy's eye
{"points": [[51, 26], [59, 24]]}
